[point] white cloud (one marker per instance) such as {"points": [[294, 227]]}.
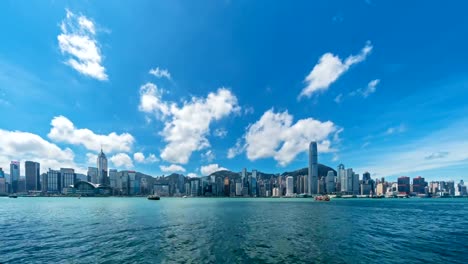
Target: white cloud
{"points": [[370, 89], [208, 156], [77, 40], [236, 150], [211, 168], [329, 68], [339, 98], [249, 110], [220, 132], [437, 155], [139, 157], [122, 160], [22, 146], [192, 175], [275, 135], [172, 168], [393, 130], [63, 130], [151, 100], [186, 127], [160, 73], [91, 159]]}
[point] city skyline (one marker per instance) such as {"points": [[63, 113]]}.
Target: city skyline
{"points": [[232, 92]]}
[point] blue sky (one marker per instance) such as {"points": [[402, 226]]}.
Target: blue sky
{"points": [[193, 87]]}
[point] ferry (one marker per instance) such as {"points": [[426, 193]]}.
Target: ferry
{"points": [[322, 198], [153, 197], [13, 196]]}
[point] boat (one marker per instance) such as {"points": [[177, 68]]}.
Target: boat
{"points": [[322, 198], [185, 196], [13, 196], [153, 197]]}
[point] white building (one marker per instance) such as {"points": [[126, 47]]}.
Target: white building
{"points": [[289, 186]]}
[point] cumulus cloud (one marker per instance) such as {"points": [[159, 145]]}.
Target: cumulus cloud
{"points": [[192, 175], [211, 168], [17, 145], [172, 168], [122, 160], [275, 135], [139, 157], [91, 159], [77, 41], [151, 100], [329, 68], [63, 130], [160, 73], [186, 127]]}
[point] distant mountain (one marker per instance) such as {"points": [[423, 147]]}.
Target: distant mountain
{"points": [[322, 171]]}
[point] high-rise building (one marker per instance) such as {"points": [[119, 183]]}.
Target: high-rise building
{"points": [[238, 189], [419, 185], [33, 176], [330, 182], [113, 178], [52, 182], [355, 183], [253, 183], [67, 178], [342, 178], [2, 182], [226, 186], [289, 186], [93, 175], [404, 185], [313, 168], [102, 168], [14, 175]]}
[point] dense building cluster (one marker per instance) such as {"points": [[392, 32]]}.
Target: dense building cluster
{"points": [[100, 180]]}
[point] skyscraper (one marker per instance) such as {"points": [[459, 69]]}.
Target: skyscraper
{"points": [[403, 185], [330, 182], [67, 178], [93, 174], [342, 178], [313, 168], [102, 168], [289, 186], [32, 171], [2, 182], [14, 175]]}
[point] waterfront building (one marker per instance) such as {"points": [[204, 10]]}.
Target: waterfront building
{"points": [[102, 169], [419, 185], [313, 168], [194, 186], [321, 186], [14, 175], [381, 189], [239, 189], [32, 173], [404, 185], [356, 186], [187, 188], [161, 189], [3, 185], [93, 175], [461, 189], [243, 177], [342, 178], [330, 182], [67, 178], [81, 177], [113, 178], [52, 182], [289, 186]]}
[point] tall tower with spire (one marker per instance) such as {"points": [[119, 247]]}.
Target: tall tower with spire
{"points": [[313, 168], [102, 168]]}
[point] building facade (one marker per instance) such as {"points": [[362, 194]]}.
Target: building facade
{"points": [[33, 176], [313, 168]]}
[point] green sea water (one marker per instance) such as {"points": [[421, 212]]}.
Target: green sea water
{"points": [[231, 230]]}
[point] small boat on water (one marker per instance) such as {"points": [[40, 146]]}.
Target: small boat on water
{"points": [[185, 196], [13, 196], [153, 197], [322, 198]]}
